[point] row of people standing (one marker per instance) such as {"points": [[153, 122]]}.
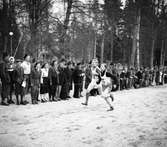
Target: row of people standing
{"points": [[128, 78], [54, 81], [137, 78], [49, 82]]}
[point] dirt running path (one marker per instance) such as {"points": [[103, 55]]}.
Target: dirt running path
{"points": [[139, 120]]}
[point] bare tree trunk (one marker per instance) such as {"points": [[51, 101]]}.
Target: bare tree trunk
{"points": [[41, 40], [4, 21], [95, 43], [66, 21], [90, 46], [68, 13], [102, 48], [136, 41], [152, 53], [162, 54], [47, 27], [25, 47], [112, 45], [5, 43], [33, 26], [138, 38], [154, 36], [133, 52]]}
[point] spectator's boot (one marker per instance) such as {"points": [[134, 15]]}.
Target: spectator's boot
{"points": [[33, 101], [36, 102], [87, 98], [4, 102], [50, 99], [11, 101], [17, 100], [55, 99], [23, 102]]}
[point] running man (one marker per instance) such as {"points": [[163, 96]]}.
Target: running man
{"points": [[106, 82], [101, 80]]}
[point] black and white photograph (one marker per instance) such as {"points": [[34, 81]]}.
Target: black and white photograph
{"points": [[83, 73]]}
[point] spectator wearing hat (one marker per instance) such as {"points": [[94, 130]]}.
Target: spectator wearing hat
{"points": [[18, 79], [5, 79], [44, 89], [35, 82]]}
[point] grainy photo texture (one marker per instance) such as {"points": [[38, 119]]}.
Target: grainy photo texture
{"points": [[83, 73]]}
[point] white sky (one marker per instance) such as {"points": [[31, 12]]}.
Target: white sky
{"points": [[58, 7]]}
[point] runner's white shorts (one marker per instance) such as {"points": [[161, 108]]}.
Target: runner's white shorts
{"points": [[106, 92], [94, 85]]}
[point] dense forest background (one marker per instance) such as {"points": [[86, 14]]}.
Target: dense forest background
{"points": [[134, 34]]}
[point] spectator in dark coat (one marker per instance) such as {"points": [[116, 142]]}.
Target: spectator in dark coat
{"points": [[88, 76], [5, 79], [63, 80], [78, 77], [35, 82], [139, 76], [19, 78], [146, 77], [11, 68], [53, 80], [151, 76], [129, 78], [69, 72], [123, 76]]}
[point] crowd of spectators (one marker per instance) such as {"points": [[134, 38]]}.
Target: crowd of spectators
{"points": [[53, 81]]}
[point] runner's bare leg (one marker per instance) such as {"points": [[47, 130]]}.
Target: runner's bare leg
{"points": [[108, 102]]}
